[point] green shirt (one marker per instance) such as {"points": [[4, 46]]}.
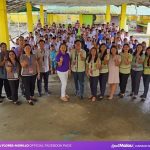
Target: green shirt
{"points": [[125, 68], [92, 67], [104, 67], [135, 65], [146, 68], [77, 64]]}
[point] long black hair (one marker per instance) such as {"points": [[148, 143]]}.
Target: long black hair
{"points": [[16, 59], [112, 48], [136, 50], [90, 55], [105, 52], [148, 61]]}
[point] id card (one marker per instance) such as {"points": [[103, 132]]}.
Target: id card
{"points": [[30, 70], [16, 75]]}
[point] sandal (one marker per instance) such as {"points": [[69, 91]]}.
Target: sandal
{"points": [[64, 99], [93, 99], [30, 102], [67, 96], [17, 103], [90, 97]]}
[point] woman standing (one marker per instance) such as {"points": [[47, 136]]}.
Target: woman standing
{"points": [[113, 78], [103, 77], [29, 71], [3, 74], [125, 68], [137, 70], [13, 72], [146, 74], [63, 69], [92, 71]]}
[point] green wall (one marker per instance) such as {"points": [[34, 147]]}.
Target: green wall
{"points": [[88, 19]]}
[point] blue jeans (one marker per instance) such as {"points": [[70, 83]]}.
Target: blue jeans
{"points": [[93, 85], [135, 81], [79, 82]]}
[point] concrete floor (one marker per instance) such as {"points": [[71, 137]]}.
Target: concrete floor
{"points": [[51, 119]]}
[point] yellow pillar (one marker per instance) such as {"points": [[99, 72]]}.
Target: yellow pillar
{"points": [[42, 15], [123, 16], [108, 15], [29, 17], [4, 35], [81, 19], [49, 19]]}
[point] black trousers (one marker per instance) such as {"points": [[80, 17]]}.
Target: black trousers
{"points": [[29, 85], [6, 87], [135, 78], [123, 82], [93, 85], [146, 81], [14, 85], [43, 75], [103, 78]]}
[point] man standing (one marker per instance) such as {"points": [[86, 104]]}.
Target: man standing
{"points": [[78, 57], [43, 59]]}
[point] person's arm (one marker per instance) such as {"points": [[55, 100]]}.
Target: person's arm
{"points": [[106, 59], [141, 60], [38, 69], [2, 63]]}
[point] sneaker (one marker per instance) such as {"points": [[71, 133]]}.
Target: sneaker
{"points": [[142, 96], [101, 97], [9, 99]]}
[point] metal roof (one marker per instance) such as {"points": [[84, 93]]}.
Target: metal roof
{"points": [[74, 5]]}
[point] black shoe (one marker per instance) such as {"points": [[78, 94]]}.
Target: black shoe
{"points": [[143, 100], [142, 96], [134, 97], [81, 97], [131, 94], [17, 103], [2, 97], [34, 99], [1, 101]]}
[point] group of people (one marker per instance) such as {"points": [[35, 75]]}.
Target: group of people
{"points": [[101, 52]]}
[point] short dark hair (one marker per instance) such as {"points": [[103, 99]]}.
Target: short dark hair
{"points": [[77, 41], [41, 41]]}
